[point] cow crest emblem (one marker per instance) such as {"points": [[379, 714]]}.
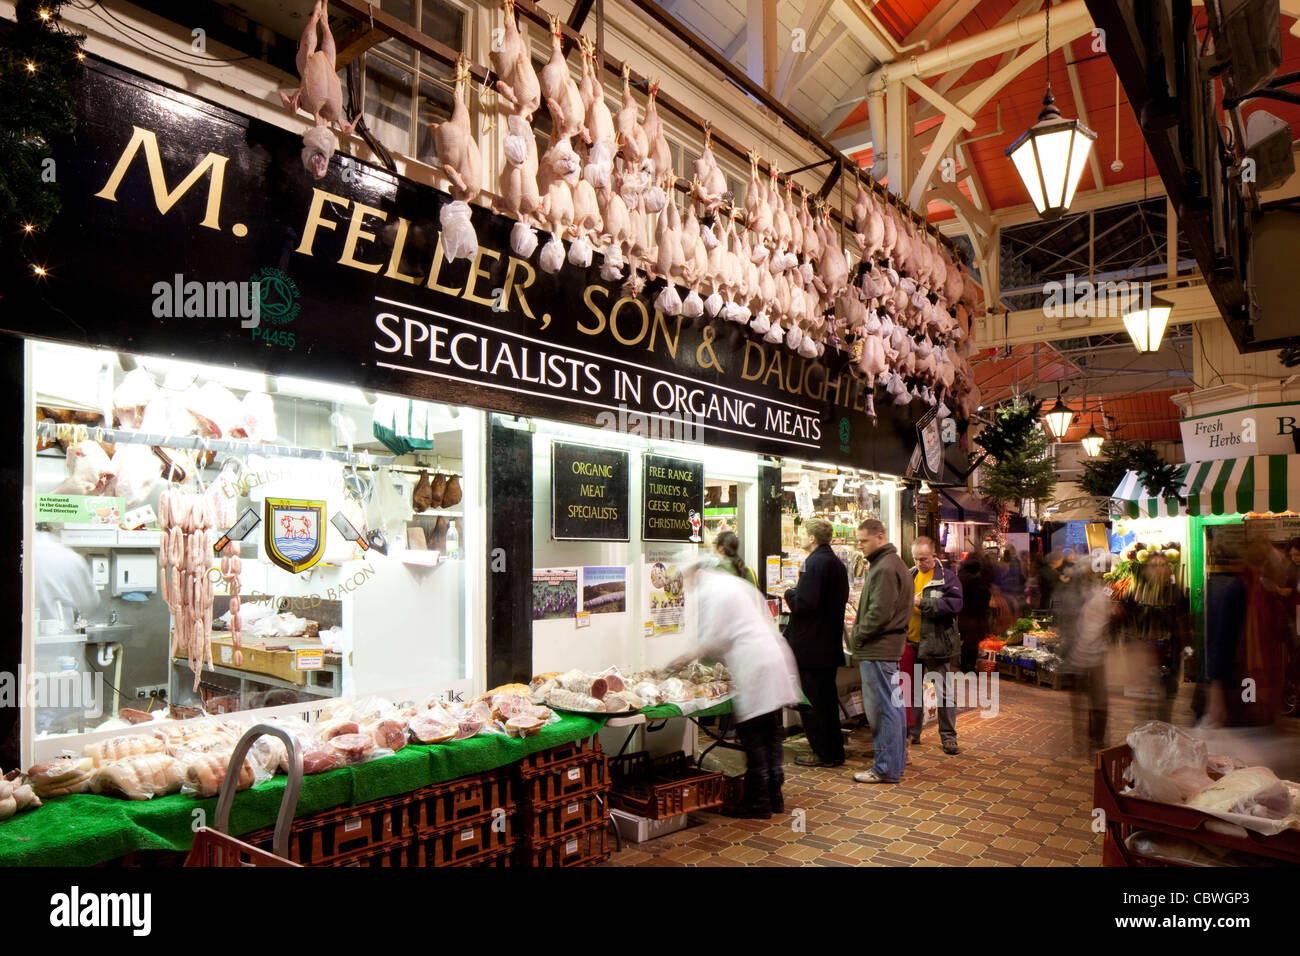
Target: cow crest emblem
{"points": [[295, 533]]}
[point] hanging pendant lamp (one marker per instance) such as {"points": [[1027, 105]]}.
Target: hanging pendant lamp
{"points": [[1051, 154], [1058, 418], [1092, 442], [1146, 320]]}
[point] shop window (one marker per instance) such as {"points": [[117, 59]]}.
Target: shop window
{"points": [[406, 90], [326, 464]]}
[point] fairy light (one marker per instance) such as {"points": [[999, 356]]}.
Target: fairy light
{"points": [[80, 55], [31, 67], [40, 271], [44, 14], [28, 227]]}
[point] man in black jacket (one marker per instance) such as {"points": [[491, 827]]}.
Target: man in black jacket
{"points": [[816, 635]]}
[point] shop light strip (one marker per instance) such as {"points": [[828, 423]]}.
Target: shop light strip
{"points": [[583, 401], [596, 355], [48, 429]]}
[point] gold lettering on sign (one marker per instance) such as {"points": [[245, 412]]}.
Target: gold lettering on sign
{"points": [[707, 346], [518, 290], [613, 320], [671, 343], [475, 273], [595, 310], [750, 347], [143, 139], [395, 260], [355, 233], [438, 260], [314, 218]]}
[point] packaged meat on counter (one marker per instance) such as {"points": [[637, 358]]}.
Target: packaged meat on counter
{"points": [[1171, 765], [612, 692], [16, 796]]}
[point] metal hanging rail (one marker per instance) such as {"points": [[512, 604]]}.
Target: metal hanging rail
{"points": [[50, 429]]}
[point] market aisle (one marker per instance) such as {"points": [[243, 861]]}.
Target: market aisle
{"points": [[1013, 796]]}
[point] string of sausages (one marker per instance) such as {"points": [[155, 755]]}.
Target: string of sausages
{"points": [[184, 559]]}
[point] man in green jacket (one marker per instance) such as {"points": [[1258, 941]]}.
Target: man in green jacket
{"points": [[876, 643]]}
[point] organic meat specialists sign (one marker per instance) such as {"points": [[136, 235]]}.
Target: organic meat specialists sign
{"points": [[207, 206], [673, 502], [588, 493]]}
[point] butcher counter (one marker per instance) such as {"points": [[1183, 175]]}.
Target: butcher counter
{"points": [[85, 829]]}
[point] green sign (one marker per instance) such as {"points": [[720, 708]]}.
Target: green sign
{"points": [[79, 509]]}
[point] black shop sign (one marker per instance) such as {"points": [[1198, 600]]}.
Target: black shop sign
{"points": [[175, 209], [588, 493], [672, 506]]}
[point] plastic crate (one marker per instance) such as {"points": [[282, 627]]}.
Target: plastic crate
{"points": [[581, 774], [541, 821], [663, 787], [640, 830], [585, 847], [1125, 813], [445, 804], [1028, 668], [557, 756], [464, 843], [390, 855], [1057, 679], [322, 838]]}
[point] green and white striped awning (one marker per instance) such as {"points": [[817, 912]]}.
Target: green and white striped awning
{"points": [[1229, 486]]}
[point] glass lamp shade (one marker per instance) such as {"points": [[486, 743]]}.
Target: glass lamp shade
{"points": [[1092, 443], [1058, 420], [1146, 323], [1050, 157]]}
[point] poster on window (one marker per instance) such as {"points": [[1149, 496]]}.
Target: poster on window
{"points": [[604, 590], [555, 594], [665, 585]]}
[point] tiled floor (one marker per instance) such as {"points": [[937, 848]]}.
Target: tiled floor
{"points": [[1012, 797]]}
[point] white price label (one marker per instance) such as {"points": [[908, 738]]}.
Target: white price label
{"points": [[571, 847], [573, 808], [227, 654], [353, 824], [467, 836], [575, 773]]}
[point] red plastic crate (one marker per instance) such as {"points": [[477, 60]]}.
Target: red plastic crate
{"points": [[444, 804], [542, 821], [585, 847], [324, 837], [464, 843], [581, 774], [389, 855], [562, 755]]}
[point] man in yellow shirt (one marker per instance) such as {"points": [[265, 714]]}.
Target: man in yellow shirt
{"points": [[933, 641]]}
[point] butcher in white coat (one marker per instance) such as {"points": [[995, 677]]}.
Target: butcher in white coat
{"points": [[736, 628]]}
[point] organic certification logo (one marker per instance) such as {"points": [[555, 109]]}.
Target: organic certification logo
{"points": [[279, 296], [845, 434]]}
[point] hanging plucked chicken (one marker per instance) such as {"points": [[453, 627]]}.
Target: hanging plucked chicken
{"points": [[459, 161], [320, 94]]}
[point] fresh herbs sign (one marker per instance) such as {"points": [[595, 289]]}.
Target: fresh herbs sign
{"points": [[588, 493], [673, 499]]}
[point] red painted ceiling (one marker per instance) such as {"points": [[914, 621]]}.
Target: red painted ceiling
{"points": [[1021, 99]]}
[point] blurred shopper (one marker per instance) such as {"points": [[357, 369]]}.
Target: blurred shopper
{"points": [[727, 546], [736, 628], [933, 641], [816, 635], [877, 645], [1049, 580], [1226, 606], [1010, 580], [1158, 623], [977, 589], [1033, 577], [1084, 628]]}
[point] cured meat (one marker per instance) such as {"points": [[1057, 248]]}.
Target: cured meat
{"points": [[269, 753], [140, 778], [119, 748], [584, 684], [61, 776], [506, 706], [524, 726], [318, 761], [335, 728], [429, 730], [422, 497], [353, 748], [571, 700], [389, 734], [204, 773]]}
